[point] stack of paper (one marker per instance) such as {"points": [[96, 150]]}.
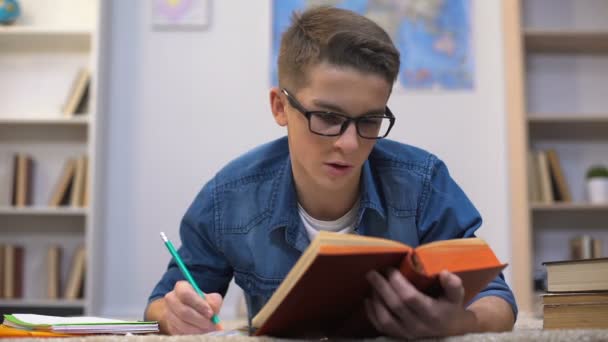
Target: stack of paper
{"points": [[78, 325]]}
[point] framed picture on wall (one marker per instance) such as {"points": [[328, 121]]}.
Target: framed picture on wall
{"points": [[181, 14]]}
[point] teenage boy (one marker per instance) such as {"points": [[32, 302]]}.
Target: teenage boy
{"points": [[333, 171]]}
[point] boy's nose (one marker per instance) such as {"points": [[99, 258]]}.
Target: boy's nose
{"points": [[349, 140]]}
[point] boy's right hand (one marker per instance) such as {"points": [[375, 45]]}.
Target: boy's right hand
{"points": [[188, 313]]}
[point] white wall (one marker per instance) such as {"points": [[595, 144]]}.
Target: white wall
{"points": [[181, 104]]}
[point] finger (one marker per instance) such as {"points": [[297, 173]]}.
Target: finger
{"points": [[187, 295], [417, 301], [417, 311], [371, 314], [385, 320], [215, 301], [384, 290], [177, 326], [415, 324], [452, 287], [184, 311]]}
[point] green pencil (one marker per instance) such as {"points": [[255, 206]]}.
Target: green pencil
{"points": [[215, 319]]}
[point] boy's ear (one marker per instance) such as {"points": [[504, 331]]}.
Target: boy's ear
{"points": [[277, 106]]}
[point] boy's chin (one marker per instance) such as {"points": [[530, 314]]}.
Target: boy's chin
{"points": [[339, 184]]}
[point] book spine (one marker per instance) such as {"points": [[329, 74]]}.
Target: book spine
{"points": [[2, 269], [534, 193], [413, 271], [581, 247], [8, 272], [597, 249], [21, 180], [54, 272], [85, 183], [561, 190], [13, 271], [76, 275], [15, 180], [76, 196], [29, 181], [18, 269], [545, 178]]}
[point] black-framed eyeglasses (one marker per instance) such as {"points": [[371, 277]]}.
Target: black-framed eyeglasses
{"points": [[330, 124]]}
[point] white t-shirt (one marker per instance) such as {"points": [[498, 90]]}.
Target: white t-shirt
{"points": [[345, 224]]}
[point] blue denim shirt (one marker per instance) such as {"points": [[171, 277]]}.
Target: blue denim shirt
{"points": [[244, 223]]}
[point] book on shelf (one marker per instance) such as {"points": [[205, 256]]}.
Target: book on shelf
{"points": [[22, 181], [577, 275], [62, 190], [596, 248], [13, 271], [544, 178], [585, 247], [78, 94], [79, 183], [534, 191], [72, 186], [53, 269], [2, 247], [76, 275], [78, 325], [324, 291], [558, 180], [84, 198]]}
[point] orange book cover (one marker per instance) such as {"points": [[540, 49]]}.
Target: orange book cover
{"points": [[323, 293], [10, 332]]}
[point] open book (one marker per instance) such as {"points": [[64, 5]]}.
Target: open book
{"points": [[323, 293]]}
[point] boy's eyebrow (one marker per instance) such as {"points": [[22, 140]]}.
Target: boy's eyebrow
{"points": [[335, 108]]}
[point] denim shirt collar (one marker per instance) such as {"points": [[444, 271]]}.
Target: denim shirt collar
{"points": [[284, 204]]}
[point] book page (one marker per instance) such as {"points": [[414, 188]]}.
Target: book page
{"points": [[32, 319]]}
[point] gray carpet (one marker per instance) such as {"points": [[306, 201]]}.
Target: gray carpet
{"points": [[528, 328]]}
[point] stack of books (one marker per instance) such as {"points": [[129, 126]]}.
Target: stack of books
{"points": [[577, 295], [46, 326]]}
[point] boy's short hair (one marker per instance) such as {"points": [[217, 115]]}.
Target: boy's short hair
{"points": [[339, 37]]}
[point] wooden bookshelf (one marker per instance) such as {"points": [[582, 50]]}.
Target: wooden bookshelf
{"points": [[40, 57], [568, 207], [46, 303], [54, 120], [561, 41], [42, 211], [555, 59], [569, 126], [48, 31]]}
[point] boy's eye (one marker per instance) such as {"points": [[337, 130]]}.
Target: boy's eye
{"points": [[370, 121], [330, 119]]}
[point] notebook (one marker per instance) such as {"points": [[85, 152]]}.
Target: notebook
{"points": [[78, 324]]}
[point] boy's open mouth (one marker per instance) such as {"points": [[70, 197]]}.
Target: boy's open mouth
{"points": [[338, 169], [339, 166]]}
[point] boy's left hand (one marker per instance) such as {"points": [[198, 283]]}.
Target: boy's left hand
{"points": [[398, 309]]}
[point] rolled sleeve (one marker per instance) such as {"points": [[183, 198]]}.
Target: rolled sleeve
{"points": [[447, 213], [498, 288]]}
